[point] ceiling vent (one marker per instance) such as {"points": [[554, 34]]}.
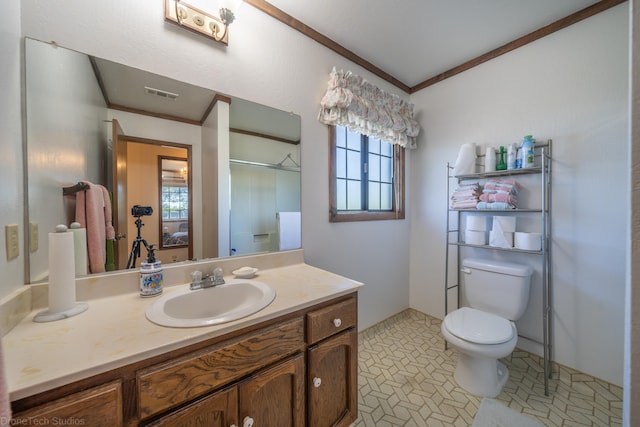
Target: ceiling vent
{"points": [[160, 93]]}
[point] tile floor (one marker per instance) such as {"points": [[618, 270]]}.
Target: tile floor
{"points": [[405, 378]]}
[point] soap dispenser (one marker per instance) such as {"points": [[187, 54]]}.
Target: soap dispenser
{"points": [[150, 275]]}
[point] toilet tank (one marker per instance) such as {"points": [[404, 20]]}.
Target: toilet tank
{"points": [[497, 287]]}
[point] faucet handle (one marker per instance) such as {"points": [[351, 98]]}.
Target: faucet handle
{"points": [[196, 276], [217, 274]]}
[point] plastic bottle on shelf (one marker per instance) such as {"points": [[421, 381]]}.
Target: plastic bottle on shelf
{"points": [[519, 158], [511, 156], [527, 151], [490, 160], [502, 165]]}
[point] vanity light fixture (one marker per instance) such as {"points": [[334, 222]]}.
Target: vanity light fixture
{"points": [[196, 20]]}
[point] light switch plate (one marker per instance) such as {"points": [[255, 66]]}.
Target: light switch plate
{"points": [[12, 241], [33, 236]]}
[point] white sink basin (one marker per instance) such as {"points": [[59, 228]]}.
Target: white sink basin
{"points": [[185, 308]]}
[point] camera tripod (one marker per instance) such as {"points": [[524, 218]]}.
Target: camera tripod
{"points": [[135, 247]]}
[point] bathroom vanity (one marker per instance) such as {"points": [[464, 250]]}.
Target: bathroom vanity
{"points": [[292, 364]]}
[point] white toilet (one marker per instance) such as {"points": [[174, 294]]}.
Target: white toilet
{"points": [[498, 293]]}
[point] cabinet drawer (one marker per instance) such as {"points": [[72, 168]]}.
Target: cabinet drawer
{"points": [[176, 382], [327, 321], [98, 406]]}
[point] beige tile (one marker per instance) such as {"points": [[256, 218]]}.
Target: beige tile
{"points": [[406, 379]]}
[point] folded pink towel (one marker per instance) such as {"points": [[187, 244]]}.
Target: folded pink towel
{"points": [[498, 197], [93, 212], [464, 204], [465, 194]]}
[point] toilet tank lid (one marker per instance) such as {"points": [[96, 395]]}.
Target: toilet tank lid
{"points": [[501, 267]]}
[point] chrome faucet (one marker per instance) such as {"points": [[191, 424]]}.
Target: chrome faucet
{"points": [[198, 281]]}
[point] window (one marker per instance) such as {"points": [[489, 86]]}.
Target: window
{"points": [[366, 177], [175, 202]]}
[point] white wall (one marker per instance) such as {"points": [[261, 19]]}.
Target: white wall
{"points": [[268, 63], [631, 384], [571, 87], [65, 112], [11, 192]]}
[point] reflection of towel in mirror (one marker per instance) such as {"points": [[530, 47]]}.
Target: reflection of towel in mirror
{"points": [[289, 230], [93, 212]]}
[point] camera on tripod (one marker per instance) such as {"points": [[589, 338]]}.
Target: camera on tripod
{"points": [[138, 210]]}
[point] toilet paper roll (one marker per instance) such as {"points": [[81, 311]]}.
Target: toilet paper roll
{"points": [[79, 248], [62, 284], [504, 223], [475, 237], [528, 241], [501, 239], [476, 222]]}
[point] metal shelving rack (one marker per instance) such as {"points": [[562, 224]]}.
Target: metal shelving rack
{"points": [[543, 167]]}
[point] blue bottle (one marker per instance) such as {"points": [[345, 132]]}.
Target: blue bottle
{"points": [[527, 151]]}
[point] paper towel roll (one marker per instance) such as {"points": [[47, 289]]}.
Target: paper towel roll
{"points": [[475, 237], [476, 222], [528, 241], [501, 239], [79, 248], [504, 223], [62, 283], [466, 160]]}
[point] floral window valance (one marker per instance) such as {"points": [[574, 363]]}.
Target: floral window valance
{"points": [[353, 102]]}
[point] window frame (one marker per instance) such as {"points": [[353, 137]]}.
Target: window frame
{"points": [[398, 211]]}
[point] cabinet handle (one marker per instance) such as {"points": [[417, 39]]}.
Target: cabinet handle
{"points": [[337, 322], [316, 382], [247, 422]]}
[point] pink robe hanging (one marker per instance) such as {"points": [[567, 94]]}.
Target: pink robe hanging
{"points": [[93, 212]]}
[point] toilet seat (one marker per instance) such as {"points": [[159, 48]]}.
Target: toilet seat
{"points": [[478, 326]]}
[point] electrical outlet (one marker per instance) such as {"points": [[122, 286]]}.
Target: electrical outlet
{"points": [[12, 241], [33, 236]]}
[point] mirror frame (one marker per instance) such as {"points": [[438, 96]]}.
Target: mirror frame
{"points": [[161, 183]]}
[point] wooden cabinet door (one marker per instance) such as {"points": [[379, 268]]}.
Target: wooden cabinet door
{"points": [[332, 381], [98, 406], [218, 410], [275, 396]]}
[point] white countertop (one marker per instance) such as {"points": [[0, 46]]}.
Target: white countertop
{"points": [[114, 331]]}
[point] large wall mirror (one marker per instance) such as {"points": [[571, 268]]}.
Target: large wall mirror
{"points": [[89, 120]]}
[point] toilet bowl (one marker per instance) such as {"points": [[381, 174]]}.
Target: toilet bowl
{"points": [[480, 339], [485, 331]]}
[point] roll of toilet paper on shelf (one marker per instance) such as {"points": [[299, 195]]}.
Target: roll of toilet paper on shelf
{"points": [[504, 223], [62, 283], [501, 239], [476, 222], [475, 237], [79, 248], [528, 241]]}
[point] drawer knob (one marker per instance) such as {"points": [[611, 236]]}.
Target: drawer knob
{"points": [[316, 382], [337, 322], [247, 422]]}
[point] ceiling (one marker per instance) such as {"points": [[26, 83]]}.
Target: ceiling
{"points": [[138, 91], [410, 43], [416, 40]]}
